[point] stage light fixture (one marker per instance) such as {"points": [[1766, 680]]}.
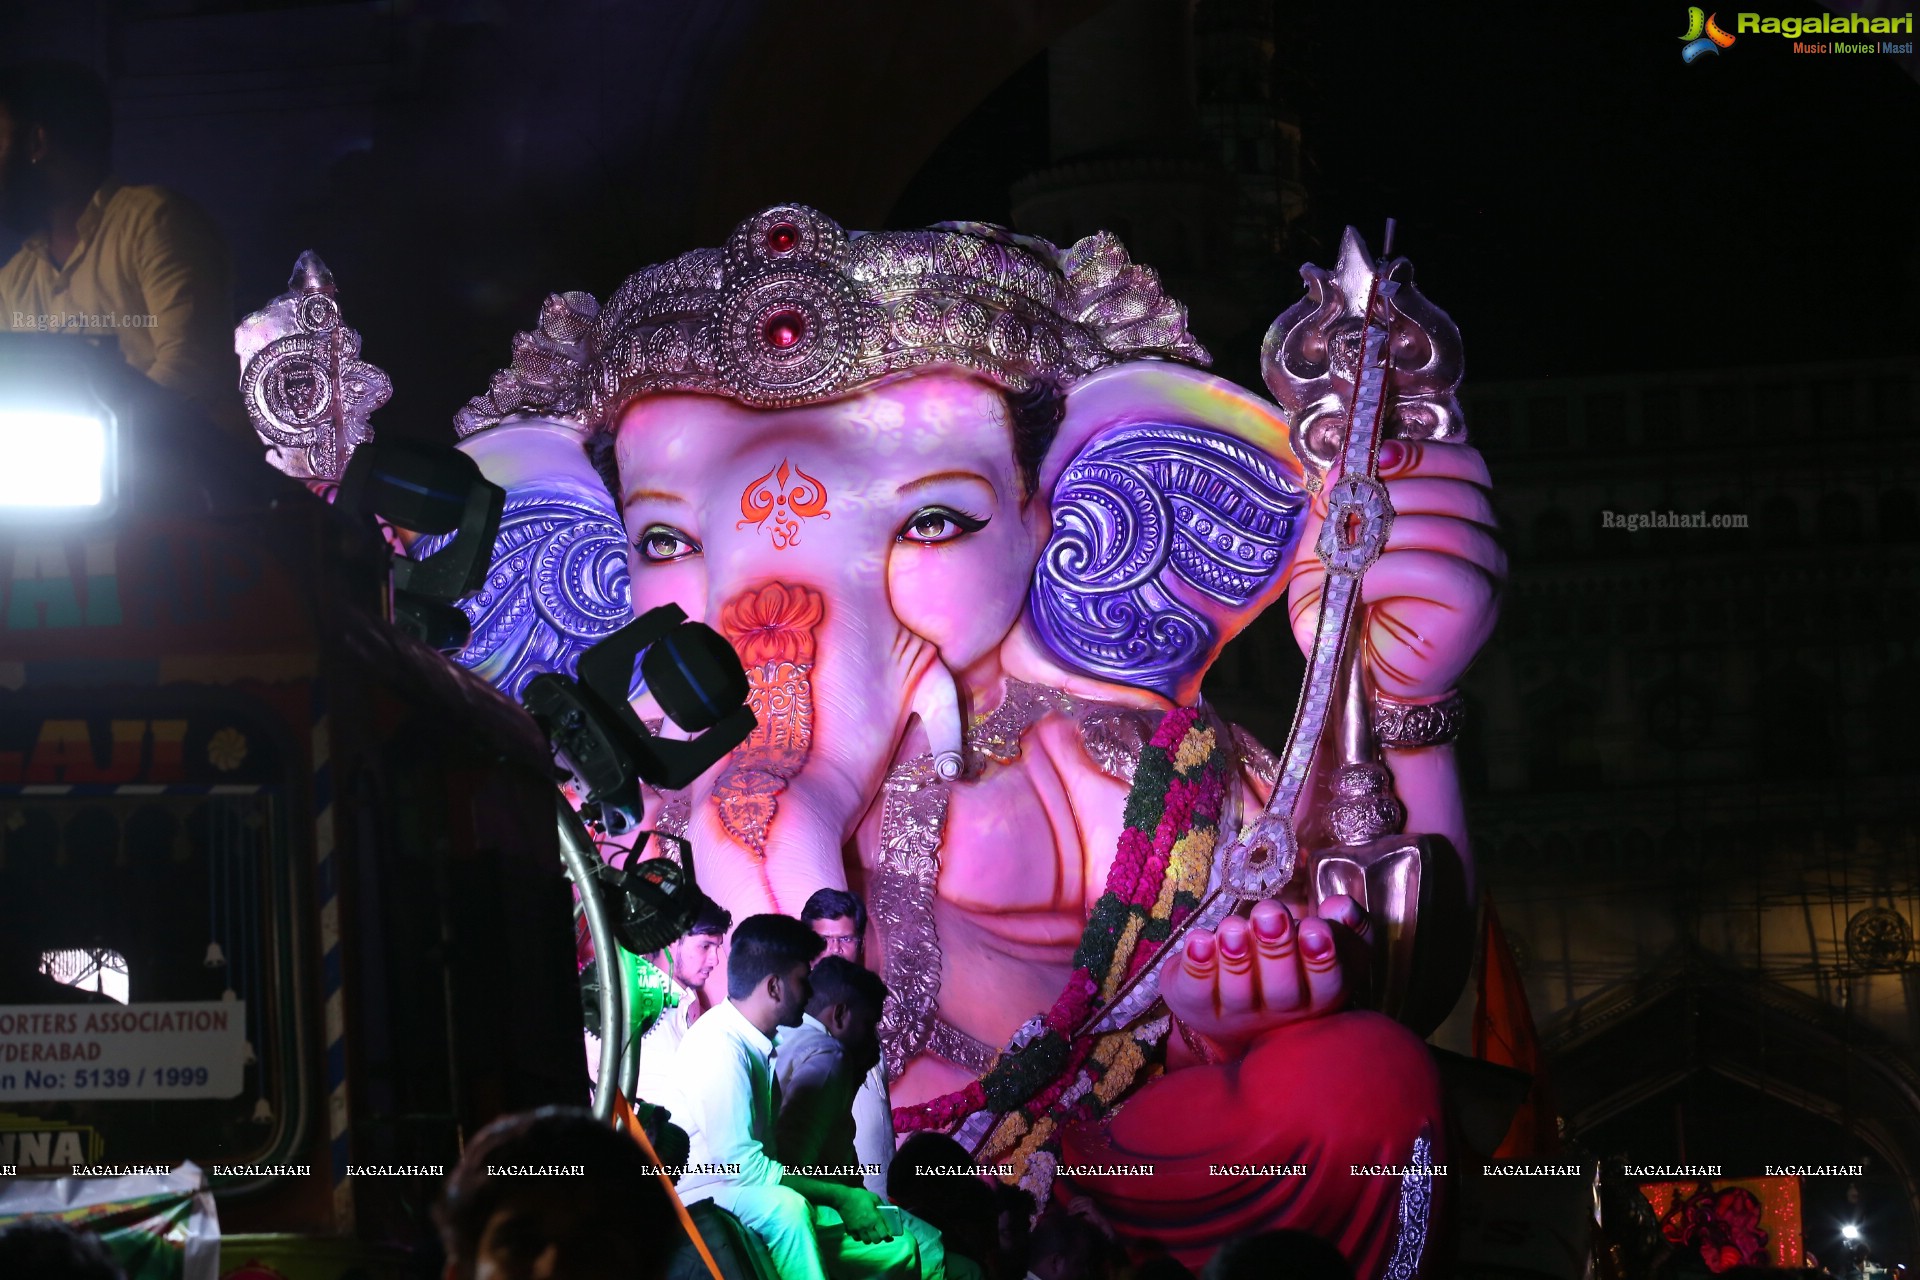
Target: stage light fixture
{"points": [[429, 489], [57, 434], [692, 672], [1850, 1232], [50, 459], [656, 901]]}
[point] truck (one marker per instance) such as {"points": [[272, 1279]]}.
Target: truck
{"points": [[280, 891]]}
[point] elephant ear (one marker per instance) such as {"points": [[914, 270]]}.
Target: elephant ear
{"points": [[559, 579], [1176, 505]]}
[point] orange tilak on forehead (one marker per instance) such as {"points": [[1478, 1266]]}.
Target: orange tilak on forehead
{"points": [[784, 496]]}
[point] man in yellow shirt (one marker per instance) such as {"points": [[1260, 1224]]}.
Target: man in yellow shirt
{"points": [[140, 263]]}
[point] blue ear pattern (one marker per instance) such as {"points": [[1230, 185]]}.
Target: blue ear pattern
{"points": [[1146, 518], [558, 584]]}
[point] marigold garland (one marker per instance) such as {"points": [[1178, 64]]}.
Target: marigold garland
{"points": [[1160, 870]]}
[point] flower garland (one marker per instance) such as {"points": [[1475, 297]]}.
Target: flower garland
{"points": [[1159, 873]]}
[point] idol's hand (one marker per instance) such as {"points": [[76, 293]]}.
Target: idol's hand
{"points": [[1434, 594], [1252, 975]]}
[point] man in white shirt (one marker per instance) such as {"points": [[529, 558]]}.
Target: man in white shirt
{"points": [[820, 1064], [688, 963], [819, 1067], [840, 918], [722, 1094]]}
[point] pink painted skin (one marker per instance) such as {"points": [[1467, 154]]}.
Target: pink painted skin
{"points": [[919, 608]]}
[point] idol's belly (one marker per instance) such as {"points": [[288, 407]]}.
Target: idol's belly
{"points": [[997, 969], [1010, 906]]}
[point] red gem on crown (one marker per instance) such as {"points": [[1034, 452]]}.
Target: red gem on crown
{"points": [[782, 237], [784, 328]]}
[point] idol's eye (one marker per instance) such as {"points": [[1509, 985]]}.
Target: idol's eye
{"points": [[663, 544], [932, 525]]}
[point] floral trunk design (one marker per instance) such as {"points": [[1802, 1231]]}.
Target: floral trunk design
{"points": [[772, 627]]}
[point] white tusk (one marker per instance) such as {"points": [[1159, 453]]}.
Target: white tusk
{"points": [[936, 700]]}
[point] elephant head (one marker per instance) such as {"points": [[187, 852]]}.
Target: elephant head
{"points": [[911, 476], [882, 560], [896, 469]]}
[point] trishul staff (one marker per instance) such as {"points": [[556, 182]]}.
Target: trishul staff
{"points": [[1348, 797]]}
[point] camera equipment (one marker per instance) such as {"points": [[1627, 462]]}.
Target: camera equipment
{"points": [[633, 910], [649, 904], [691, 672], [429, 489], [653, 902]]}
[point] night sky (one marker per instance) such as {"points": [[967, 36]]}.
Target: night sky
{"points": [[1580, 199], [1577, 197]]}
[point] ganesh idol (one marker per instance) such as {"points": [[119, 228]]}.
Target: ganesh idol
{"points": [[978, 521]]}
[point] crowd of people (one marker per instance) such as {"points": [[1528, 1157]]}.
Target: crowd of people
{"points": [[779, 1091], [769, 1115], [788, 1131]]}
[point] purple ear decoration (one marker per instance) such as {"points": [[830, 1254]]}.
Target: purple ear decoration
{"points": [[558, 584], [1147, 520]]}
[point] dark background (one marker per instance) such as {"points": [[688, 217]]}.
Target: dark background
{"points": [[1578, 198]]}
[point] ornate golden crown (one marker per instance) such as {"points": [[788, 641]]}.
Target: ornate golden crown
{"points": [[796, 310]]}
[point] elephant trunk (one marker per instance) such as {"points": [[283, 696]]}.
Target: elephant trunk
{"points": [[835, 697]]}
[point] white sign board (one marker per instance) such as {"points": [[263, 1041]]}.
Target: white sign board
{"points": [[114, 1052]]}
